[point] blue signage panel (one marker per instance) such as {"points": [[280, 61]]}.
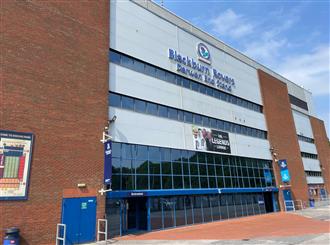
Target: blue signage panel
{"points": [[107, 162], [284, 170]]}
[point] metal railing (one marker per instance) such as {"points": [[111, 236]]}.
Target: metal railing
{"points": [[100, 232], [289, 206], [58, 234]]}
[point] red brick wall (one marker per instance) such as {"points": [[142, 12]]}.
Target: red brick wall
{"points": [[282, 133], [54, 83], [323, 149]]}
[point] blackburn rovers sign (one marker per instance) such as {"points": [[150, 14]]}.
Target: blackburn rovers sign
{"points": [[201, 71]]}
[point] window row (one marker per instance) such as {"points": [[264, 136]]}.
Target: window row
{"points": [[150, 70], [298, 102], [141, 106], [308, 155], [128, 166], [156, 154], [306, 139], [168, 212], [157, 182], [313, 173]]}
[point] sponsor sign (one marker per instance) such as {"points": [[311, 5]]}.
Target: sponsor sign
{"points": [[285, 175], [107, 162], [15, 161], [206, 139]]}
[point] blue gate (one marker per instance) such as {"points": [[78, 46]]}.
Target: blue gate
{"points": [[79, 215], [288, 202]]}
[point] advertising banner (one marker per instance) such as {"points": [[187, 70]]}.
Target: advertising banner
{"points": [[107, 162], [284, 170], [207, 139], [15, 161]]}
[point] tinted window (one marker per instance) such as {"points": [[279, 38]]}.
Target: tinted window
{"points": [[202, 89], [140, 106], [115, 57], [195, 86], [162, 111], [197, 119], [114, 100], [128, 103], [186, 83], [188, 117], [173, 113], [152, 109]]}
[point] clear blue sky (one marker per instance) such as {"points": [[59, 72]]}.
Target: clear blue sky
{"points": [[290, 37]]}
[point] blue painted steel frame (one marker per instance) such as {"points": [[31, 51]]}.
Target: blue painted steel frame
{"points": [[178, 192]]}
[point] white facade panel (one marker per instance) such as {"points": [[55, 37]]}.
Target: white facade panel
{"points": [[314, 180], [144, 129], [303, 124], [310, 104], [135, 84], [141, 34], [307, 147], [311, 164]]}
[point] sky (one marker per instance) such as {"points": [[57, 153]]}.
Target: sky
{"points": [[290, 37]]}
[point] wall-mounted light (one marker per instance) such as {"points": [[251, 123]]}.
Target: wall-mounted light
{"points": [[81, 185]]}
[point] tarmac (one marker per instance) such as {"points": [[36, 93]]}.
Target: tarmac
{"points": [[308, 226]]}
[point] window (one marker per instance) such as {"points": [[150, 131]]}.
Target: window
{"points": [[140, 106], [127, 103], [159, 73], [163, 112], [152, 109], [173, 113], [188, 117], [114, 100]]}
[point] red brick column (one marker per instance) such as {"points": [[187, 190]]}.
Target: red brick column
{"points": [[323, 149], [282, 134], [54, 83]]}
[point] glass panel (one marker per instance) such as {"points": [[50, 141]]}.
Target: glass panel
{"points": [[127, 151], [166, 167], [115, 182], [189, 212], [141, 166], [155, 182], [152, 109], [127, 103], [177, 168], [177, 182], [116, 165], [173, 113], [114, 100], [207, 213], [194, 182], [186, 83], [167, 182], [212, 182], [223, 207], [193, 169], [168, 210], [180, 211], [197, 119], [116, 149], [154, 167], [141, 182], [127, 182], [210, 170], [188, 118], [195, 86], [140, 106], [127, 166], [198, 215], [163, 112], [155, 213], [204, 183], [215, 207], [185, 168], [202, 169], [186, 182], [115, 57]]}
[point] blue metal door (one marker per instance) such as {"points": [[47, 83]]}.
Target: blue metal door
{"points": [[288, 200], [79, 215]]}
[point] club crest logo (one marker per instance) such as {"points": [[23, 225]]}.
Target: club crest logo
{"points": [[203, 53]]}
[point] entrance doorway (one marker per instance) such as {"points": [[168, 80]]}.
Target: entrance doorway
{"points": [[268, 197], [136, 214], [79, 216]]}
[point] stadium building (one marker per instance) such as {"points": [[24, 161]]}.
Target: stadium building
{"points": [[199, 131]]}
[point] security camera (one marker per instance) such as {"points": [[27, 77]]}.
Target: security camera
{"points": [[113, 119]]}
